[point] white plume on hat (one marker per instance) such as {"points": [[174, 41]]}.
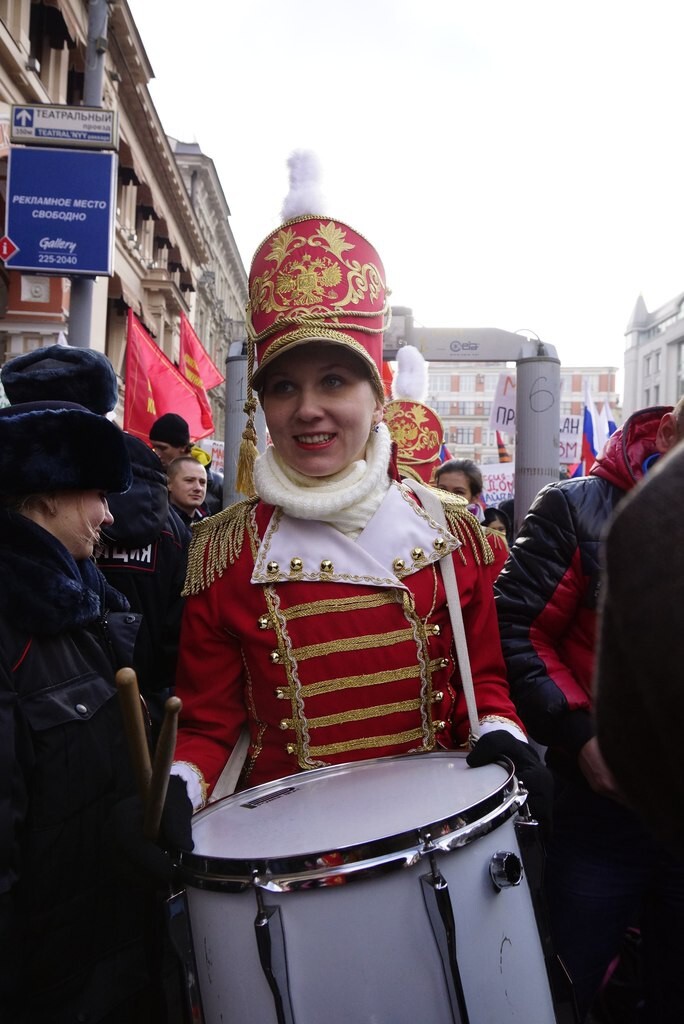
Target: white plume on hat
{"points": [[411, 379], [305, 196]]}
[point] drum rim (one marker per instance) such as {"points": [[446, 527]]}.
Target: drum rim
{"points": [[330, 867]]}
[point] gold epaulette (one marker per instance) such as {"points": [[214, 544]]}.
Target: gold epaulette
{"points": [[496, 538], [216, 543], [465, 526]]}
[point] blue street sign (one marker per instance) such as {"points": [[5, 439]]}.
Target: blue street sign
{"points": [[59, 125], [60, 211]]}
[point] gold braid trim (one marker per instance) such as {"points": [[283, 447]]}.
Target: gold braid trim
{"points": [[465, 526], [216, 543]]}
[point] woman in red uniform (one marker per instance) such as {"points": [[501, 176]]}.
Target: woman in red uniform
{"points": [[316, 612]]}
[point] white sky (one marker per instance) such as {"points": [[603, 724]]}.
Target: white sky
{"points": [[517, 163]]}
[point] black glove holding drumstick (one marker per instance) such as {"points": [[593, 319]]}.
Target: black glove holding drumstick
{"points": [[145, 826]]}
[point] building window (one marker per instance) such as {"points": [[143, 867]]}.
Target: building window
{"points": [[656, 358], [440, 382], [647, 397], [466, 383], [463, 435], [647, 366]]}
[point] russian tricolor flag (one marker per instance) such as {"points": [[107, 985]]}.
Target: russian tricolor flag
{"points": [[591, 435]]}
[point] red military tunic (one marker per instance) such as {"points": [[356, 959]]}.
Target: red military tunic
{"points": [[332, 649]]}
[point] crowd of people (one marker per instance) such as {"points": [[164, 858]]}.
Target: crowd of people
{"points": [[314, 617]]}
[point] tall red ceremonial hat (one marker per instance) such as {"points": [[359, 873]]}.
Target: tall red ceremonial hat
{"points": [[313, 280], [316, 279], [415, 428]]}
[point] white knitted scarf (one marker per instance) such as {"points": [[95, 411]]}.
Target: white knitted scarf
{"points": [[346, 500]]}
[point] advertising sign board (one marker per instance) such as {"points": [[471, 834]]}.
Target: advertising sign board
{"points": [[60, 211]]}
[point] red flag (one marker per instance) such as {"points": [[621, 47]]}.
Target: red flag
{"points": [[504, 454], [194, 359], [155, 386]]}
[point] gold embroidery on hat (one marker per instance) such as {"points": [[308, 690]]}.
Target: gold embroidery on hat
{"points": [[301, 282]]}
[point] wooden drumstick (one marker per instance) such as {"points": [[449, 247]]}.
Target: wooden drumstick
{"points": [[131, 709], [163, 758]]}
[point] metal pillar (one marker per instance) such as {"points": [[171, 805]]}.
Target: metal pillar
{"points": [[537, 418], [83, 288]]}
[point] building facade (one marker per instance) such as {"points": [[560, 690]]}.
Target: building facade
{"points": [[462, 394], [174, 252], [654, 355]]}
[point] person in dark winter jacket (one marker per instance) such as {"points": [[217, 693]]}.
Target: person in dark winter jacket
{"points": [[72, 922], [144, 551], [640, 697], [143, 554], [604, 871], [170, 439]]}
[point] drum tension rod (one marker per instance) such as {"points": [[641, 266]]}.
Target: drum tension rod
{"points": [[441, 914], [270, 939]]}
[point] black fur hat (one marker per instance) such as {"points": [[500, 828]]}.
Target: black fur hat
{"points": [[59, 446], [60, 373]]}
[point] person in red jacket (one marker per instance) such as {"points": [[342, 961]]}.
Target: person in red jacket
{"points": [[316, 614], [604, 871]]}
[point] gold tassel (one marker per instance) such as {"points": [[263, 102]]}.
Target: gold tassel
{"points": [[244, 481]]}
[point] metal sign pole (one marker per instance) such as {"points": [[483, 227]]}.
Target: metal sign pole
{"points": [[83, 288]]}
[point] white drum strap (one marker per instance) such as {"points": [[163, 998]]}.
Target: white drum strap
{"points": [[434, 507], [228, 779]]}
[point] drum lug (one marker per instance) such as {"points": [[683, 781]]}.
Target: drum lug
{"points": [[270, 938], [441, 914], [505, 869]]}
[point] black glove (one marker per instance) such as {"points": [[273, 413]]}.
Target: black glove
{"points": [[140, 859], [176, 821], [143, 858], [535, 777]]}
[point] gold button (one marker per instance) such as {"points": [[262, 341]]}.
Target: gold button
{"points": [[274, 658], [436, 630], [326, 565], [272, 568], [443, 662], [296, 564], [439, 544], [284, 723], [291, 748], [263, 621], [438, 695], [398, 564], [439, 726], [417, 554], [280, 693]]}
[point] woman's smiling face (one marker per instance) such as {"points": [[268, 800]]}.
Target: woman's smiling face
{"points": [[320, 407]]}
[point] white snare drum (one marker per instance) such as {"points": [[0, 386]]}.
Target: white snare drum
{"points": [[381, 892]]}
